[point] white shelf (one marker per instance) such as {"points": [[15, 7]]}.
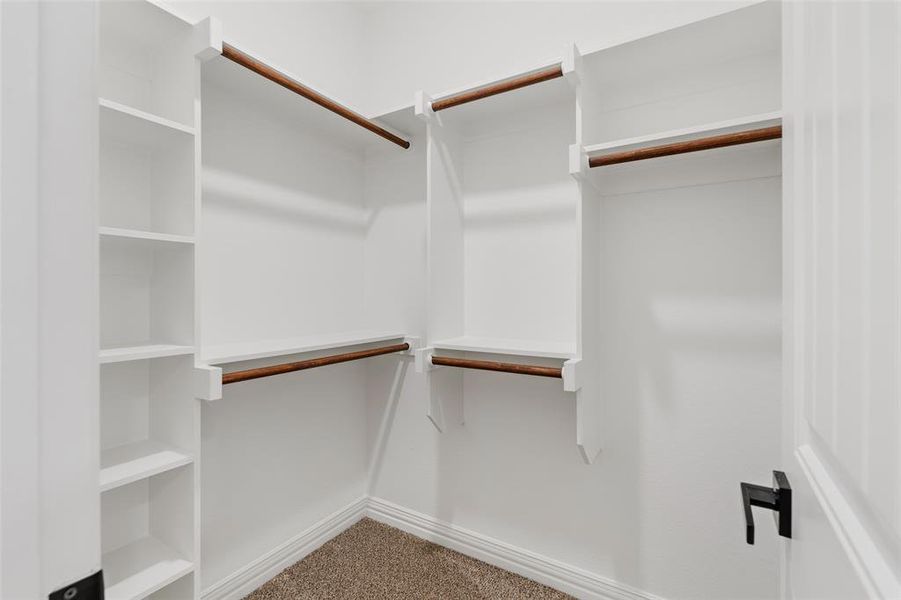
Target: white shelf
{"points": [[512, 347], [550, 93], [141, 352], [240, 351], [141, 568], [130, 125], [285, 105], [687, 133], [128, 463], [119, 233]]}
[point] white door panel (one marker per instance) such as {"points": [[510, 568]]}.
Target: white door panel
{"points": [[843, 297]]}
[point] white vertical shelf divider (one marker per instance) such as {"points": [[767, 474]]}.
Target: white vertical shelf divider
{"points": [[444, 264], [208, 45], [582, 374]]}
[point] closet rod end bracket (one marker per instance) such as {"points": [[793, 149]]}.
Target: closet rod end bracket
{"points": [[422, 106], [207, 382], [207, 39], [578, 162], [414, 342], [572, 65], [572, 382], [423, 359]]}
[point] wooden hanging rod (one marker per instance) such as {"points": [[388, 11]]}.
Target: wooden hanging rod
{"points": [[311, 363], [487, 365], [261, 68], [707, 143], [498, 88]]}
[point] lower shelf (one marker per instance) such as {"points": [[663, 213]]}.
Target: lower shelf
{"points": [[131, 462], [141, 568]]}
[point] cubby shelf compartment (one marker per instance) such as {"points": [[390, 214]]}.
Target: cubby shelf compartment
{"points": [[221, 354], [146, 171], [508, 347], [141, 568], [128, 463], [140, 236], [141, 352]]}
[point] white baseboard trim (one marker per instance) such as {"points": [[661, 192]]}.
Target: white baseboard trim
{"points": [[253, 575], [555, 574], [558, 575]]}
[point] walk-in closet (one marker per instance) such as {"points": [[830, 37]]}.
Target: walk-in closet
{"points": [[461, 300]]}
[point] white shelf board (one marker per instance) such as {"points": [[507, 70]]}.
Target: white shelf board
{"points": [[685, 134], [137, 235], [141, 568], [240, 351], [128, 463], [272, 99], [512, 347], [487, 110], [132, 126], [140, 352]]}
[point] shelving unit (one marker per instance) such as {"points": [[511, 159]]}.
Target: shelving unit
{"points": [[502, 224], [252, 100], [148, 196]]}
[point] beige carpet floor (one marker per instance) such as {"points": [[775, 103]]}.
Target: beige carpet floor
{"points": [[374, 561]]}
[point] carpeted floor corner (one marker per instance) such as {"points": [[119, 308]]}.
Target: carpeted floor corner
{"points": [[374, 561]]}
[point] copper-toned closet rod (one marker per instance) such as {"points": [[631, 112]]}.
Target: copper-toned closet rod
{"points": [[487, 365], [261, 68], [498, 88], [322, 361], [707, 143]]}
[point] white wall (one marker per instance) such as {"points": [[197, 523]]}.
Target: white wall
{"points": [[443, 46], [322, 43]]}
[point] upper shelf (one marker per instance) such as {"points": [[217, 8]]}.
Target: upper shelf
{"points": [[686, 134], [483, 104], [221, 354], [508, 347], [267, 86]]}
